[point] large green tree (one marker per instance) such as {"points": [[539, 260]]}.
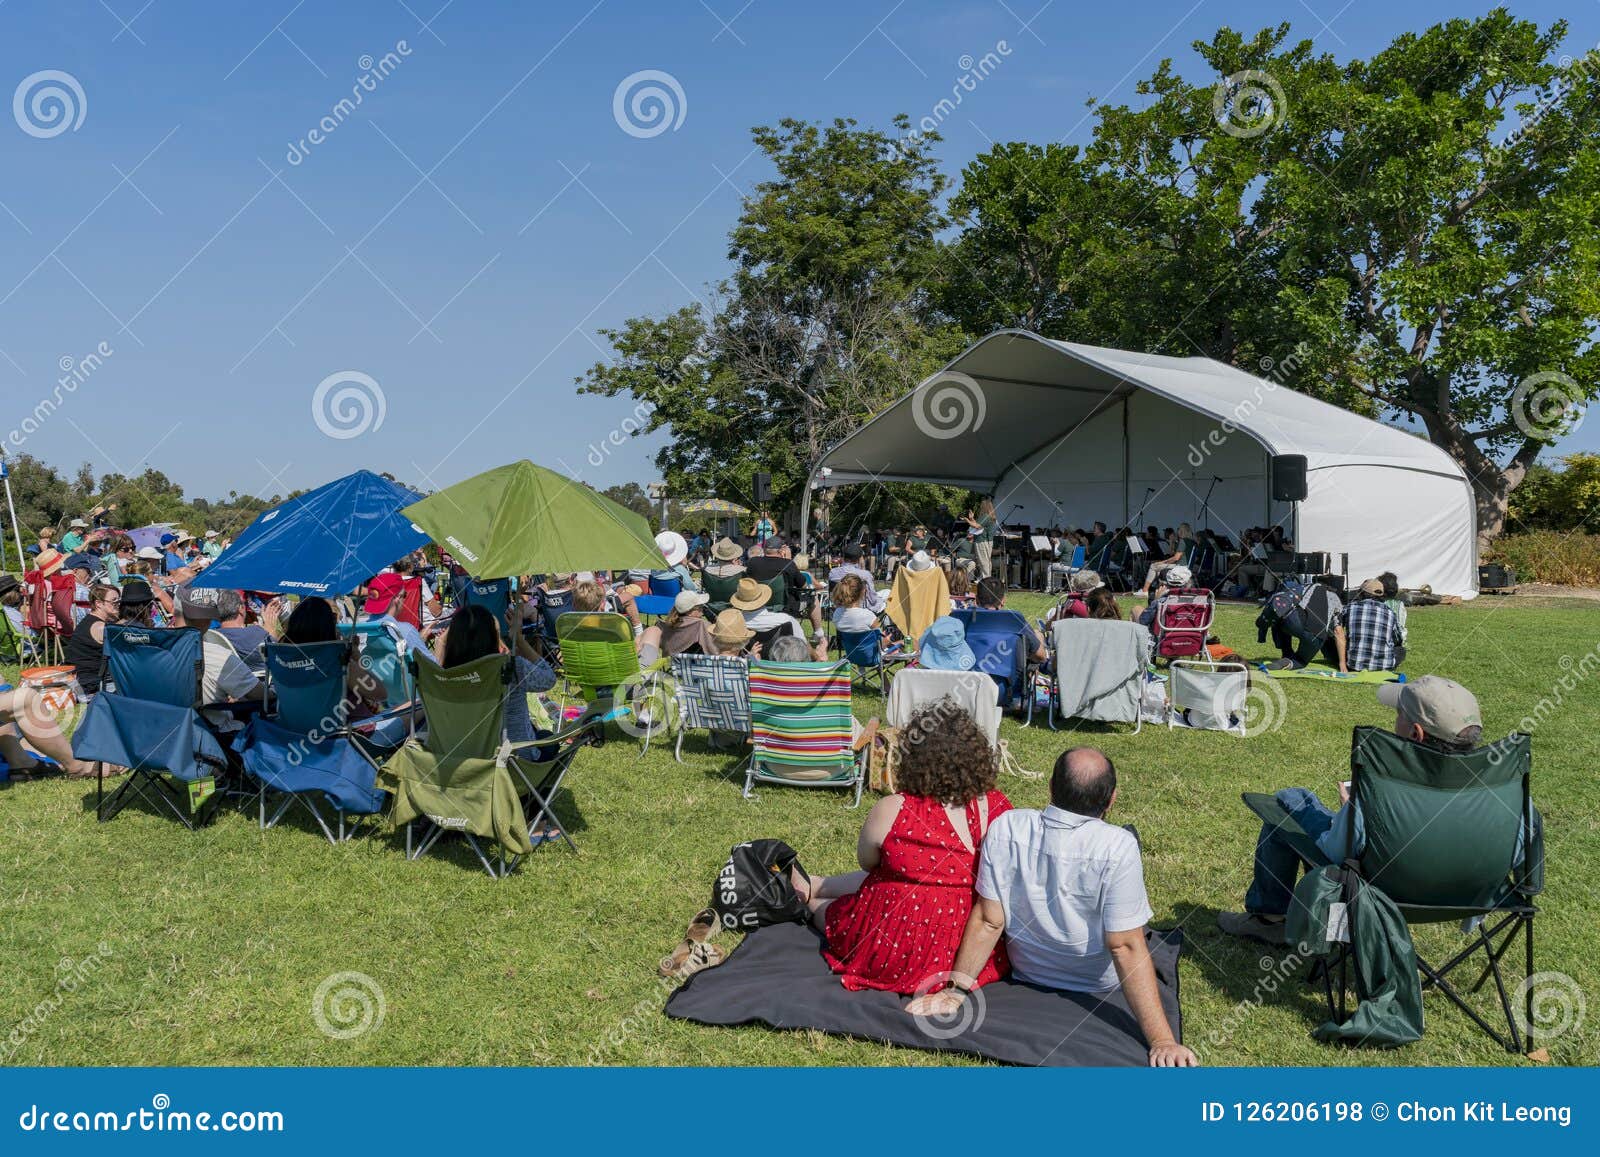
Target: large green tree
{"points": [[1421, 230], [822, 321]]}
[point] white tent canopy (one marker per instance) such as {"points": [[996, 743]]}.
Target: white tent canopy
{"points": [[1064, 434]]}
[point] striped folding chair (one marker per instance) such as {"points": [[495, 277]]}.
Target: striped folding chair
{"points": [[801, 725]]}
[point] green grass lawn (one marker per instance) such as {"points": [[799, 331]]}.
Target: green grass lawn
{"points": [[137, 942]]}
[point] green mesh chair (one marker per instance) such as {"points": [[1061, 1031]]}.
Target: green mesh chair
{"points": [[599, 658], [1449, 838]]}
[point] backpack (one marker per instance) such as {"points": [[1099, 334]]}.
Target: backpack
{"points": [[753, 889]]}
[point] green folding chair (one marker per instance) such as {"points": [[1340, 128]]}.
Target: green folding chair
{"points": [[599, 658], [463, 777], [1449, 837], [800, 725]]}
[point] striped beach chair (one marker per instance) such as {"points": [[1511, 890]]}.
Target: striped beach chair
{"points": [[801, 727]]}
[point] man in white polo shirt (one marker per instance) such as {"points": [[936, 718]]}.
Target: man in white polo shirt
{"points": [[1067, 891]]}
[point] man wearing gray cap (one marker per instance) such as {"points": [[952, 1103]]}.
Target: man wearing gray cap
{"points": [[225, 678], [1434, 711]]}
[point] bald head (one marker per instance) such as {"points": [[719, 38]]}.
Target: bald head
{"points": [[1083, 782]]}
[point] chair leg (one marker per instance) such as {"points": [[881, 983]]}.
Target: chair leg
{"points": [[677, 750]]}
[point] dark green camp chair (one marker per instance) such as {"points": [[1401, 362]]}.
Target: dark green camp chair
{"points": [[1442, 837], [464, 777]]}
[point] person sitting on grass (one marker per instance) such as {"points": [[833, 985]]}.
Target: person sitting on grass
{"points": [[1368, 635], [1433, 712], [1066, 890], [896, 923], [21, 709]]}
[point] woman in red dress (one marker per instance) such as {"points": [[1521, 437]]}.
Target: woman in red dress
{"points": [[896, 924]]}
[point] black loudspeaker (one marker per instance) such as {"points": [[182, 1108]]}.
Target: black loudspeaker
{"points": [[1289, 478], [763, 486]]}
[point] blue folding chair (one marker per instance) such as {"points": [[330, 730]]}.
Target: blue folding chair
{"points": [[379, 648], [663, 592], [146, 718], [493, 595], [998, 642], [864, 650], [303, 746]]}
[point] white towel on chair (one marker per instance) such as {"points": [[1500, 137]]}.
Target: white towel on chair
{"points": [[975, 691]]}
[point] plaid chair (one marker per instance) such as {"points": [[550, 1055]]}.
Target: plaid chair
{"points": [[713, 694]]}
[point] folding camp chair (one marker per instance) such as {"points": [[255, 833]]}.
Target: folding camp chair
{"points": [[998, 639], [1449, 837], [302, 745], [49, 618], [800, 722], [1059, 573], [493, 595], [598, 657], [713, 693], [147, 719], [383, 655], [865, 653], [1183, 619], [1102, 691], [1208, 696], [13, 645], [663, 592], [464, 777]]}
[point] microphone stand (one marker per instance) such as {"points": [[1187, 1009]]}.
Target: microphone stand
{"points": [[1205, 506]]}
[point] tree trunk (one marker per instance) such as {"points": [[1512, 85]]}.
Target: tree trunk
{"points": [[1491, 497]]}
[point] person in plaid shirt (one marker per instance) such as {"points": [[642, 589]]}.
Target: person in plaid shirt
{"points": [[1368, 637]]}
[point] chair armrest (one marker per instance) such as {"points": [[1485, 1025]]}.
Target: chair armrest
{"points": [[1274, 815]]}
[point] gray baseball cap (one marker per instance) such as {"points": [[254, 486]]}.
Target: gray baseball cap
{"points": [[1442, 707]]}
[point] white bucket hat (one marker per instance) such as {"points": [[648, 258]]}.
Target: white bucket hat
{"points": [[672, 546]]}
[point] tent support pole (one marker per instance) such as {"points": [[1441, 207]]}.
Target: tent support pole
{"points": [[805, 513], [1125, 463]]}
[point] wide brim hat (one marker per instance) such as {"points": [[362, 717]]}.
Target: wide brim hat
{"points": [[726, 550], [730, 627], [672, 546], [50, 561], [750, 595]]}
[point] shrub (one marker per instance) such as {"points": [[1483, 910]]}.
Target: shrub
{"points": [[1550, 556]]}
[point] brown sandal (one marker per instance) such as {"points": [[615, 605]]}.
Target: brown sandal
{"points": [[689, 958]]}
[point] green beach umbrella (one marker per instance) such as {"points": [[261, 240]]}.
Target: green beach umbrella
{"points": [[523, 519]]}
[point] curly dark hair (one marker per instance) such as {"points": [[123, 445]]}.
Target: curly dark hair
{"points": [[945, 756]]}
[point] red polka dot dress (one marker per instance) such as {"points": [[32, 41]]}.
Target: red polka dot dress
{"points": [[905, 923]]}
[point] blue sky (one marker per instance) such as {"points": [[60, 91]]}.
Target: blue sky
{"points": [[460, 237]]}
